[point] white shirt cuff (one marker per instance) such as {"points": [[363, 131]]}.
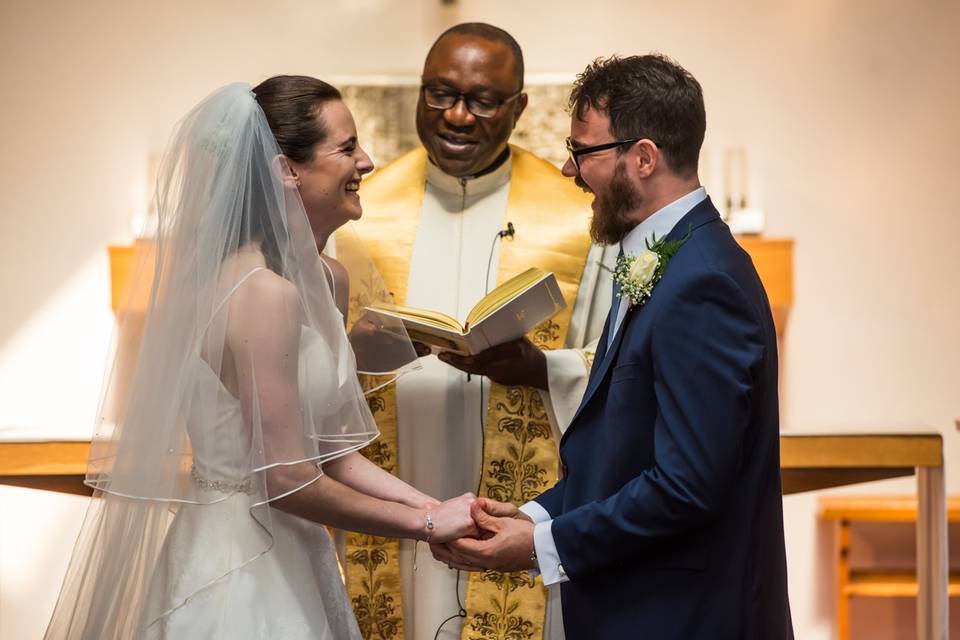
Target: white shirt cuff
{"points": [[567, 373], [547, 557], [535, 511]]}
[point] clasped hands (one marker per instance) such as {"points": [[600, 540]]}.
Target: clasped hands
{"points": [[477, 534]]}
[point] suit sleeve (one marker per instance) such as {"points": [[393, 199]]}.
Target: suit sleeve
{"points": [[552, 499], [708, 350]]}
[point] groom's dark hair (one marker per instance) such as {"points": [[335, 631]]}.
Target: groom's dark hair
{"points": [[489, 33], [647, 96]]}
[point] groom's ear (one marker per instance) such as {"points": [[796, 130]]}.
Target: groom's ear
{"points": [[645, 156], [285, 170]]}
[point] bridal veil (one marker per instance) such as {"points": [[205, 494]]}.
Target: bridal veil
{"points": [[223, 189]]}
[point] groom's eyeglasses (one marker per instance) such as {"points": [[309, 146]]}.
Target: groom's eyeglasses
{"points": [[576, 152], [481, 107]]}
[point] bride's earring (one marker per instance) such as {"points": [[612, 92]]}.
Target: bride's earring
{"points": [[298, 183]]}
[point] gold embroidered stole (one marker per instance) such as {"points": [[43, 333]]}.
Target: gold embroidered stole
{"points": [[391, 202], [520, 456]]}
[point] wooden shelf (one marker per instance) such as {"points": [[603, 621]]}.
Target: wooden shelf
{"points": [[879, 508], [125, 260], [773, 259], [877, 582], [890, 584]]}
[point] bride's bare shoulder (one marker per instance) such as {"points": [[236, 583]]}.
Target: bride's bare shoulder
{"points": [[245, 278], [263, 291], [257, 295]]}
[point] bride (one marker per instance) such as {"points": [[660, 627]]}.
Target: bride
{"points": [[238, 439]]}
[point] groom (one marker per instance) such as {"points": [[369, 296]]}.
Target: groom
{"points": [[668, 522]]}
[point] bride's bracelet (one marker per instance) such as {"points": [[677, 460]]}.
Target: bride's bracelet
{"points": [[429, 526]]}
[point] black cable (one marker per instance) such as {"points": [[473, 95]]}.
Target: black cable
{"points": [[460, 614], [508, 232]]}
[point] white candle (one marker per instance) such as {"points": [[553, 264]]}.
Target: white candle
{"points": [[735, 177]]}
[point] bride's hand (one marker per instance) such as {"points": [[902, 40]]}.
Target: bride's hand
{"points": [[452, 519], [420, 500]]}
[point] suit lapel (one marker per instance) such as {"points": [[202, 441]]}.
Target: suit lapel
{"points": [[700, 215], [602, 361], [601, 345]]}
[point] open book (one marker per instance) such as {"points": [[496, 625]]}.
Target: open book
{"points": [[506, 313]]}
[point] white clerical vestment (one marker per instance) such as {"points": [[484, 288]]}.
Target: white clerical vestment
{"points": [[440, 410]]}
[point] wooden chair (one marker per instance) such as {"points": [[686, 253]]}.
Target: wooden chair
{"points": [[874, 582]]}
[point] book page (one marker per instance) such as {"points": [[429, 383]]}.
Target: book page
{"points": [[504, 294], [432, 318]]}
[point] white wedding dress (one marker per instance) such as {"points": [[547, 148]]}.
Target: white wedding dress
{"points": [[184, 537], [288, 583]]}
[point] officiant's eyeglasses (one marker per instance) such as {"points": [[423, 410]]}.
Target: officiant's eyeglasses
{"points": [[482, 107], [576, 152]]}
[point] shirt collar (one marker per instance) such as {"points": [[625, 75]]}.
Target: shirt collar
{"points": [[482, 185], [661, 222]]}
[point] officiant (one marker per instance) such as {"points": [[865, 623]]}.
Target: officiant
{"points": [[446, 223]]}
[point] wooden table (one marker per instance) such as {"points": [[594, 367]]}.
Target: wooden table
{"points": [[53, 465], [810, 462]]}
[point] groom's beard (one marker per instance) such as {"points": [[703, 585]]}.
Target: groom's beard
{"points": [[610, 222]]}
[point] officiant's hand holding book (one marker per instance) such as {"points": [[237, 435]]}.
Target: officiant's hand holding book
{"points": [[515, 363], [504, 315]]}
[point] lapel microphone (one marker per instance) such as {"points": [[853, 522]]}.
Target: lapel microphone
{"points": [[509, 232]]}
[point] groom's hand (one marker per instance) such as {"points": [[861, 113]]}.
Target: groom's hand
{"points": [[503, 509], [509, 547], [518, 362]]}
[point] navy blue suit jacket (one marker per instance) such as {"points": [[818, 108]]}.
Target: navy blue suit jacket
{"points": [[669, 519]]}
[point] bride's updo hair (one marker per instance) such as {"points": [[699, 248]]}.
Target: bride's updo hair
{"points": [[292, 105]]}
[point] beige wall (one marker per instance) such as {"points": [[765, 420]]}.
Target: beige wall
{"points": [[848, 111]]}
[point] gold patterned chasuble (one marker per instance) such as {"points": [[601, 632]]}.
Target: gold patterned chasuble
{"points": [[520, 455]]}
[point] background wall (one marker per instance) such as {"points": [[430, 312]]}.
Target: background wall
{"points": [[848, 111]]}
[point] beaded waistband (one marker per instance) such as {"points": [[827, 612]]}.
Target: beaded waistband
{"points": [[223, 486]]}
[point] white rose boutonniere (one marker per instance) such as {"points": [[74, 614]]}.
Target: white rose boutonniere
{"points": [[638, 275], [644, 266]]}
